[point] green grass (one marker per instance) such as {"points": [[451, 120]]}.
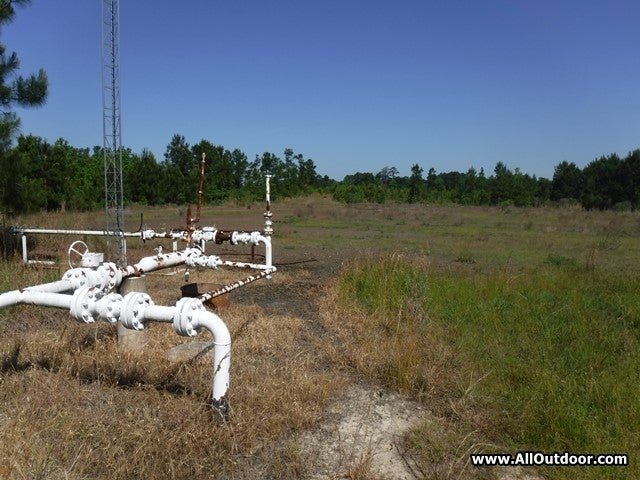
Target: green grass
{"points": [[551, 352]]}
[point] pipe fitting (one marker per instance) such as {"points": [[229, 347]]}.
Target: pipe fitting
{"points": [[76, 277], [105, 278], [240, 237], [133, 307], [211, 261], [220, 409], [147, 235], [183, 318], [109, 307], [205, 234], [82, 303]]}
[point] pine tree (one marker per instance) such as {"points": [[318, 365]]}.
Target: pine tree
{"points": [[15, 90]]}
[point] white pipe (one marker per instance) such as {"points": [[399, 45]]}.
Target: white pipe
{"points": [[9, 299], [255, 266], [157, 262], [15, 297], [267, 249], [103, 233], [59, 286], [34, 297], [221, 353], [187, 317], [133, 311], [91, 300], [255, 238], [104, 278], [24, 248]]}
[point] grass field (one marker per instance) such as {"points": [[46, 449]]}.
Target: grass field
{"points": [[516, 329]]}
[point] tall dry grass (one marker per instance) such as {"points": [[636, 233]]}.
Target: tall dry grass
{"points": [[73, 406]]}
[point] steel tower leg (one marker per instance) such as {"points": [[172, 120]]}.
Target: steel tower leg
{"points": [[111, 126]]}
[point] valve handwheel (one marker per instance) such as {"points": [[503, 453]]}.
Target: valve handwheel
{"points": [[76, 252]]}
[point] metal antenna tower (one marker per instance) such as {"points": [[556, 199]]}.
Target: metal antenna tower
{"points": [[111, 127]]}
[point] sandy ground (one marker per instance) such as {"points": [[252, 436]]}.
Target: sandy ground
{"points": [[363, 428]]}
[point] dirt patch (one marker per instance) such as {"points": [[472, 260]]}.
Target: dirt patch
{"points": [[362, 432]]}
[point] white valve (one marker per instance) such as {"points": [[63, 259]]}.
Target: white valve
{"points": [[76, 253], [80, 256]]}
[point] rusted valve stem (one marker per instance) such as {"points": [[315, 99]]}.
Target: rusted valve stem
{"points": [[191, 222]]}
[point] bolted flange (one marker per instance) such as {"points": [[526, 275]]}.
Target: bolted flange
{"points": [[110, 310], [183, 318], [133, 306], [81, 305]]}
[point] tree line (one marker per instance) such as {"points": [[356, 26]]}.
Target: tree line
{"points": [[36, 175], [608, 182]]}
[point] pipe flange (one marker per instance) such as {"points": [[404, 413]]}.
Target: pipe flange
{"points": [[112, 276], [76, 277], [255, 237], [111, 312], [183, 318], [133, 307], [81, 303]]}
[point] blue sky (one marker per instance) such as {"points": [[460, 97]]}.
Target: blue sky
{"points": [[354, 85]]}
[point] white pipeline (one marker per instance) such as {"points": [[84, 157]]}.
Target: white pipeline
{"points": [[188, 316], [34, 297], [157, 262], [255, 238]]}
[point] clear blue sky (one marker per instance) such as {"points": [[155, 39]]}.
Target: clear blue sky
{"points": [[355, 85]]}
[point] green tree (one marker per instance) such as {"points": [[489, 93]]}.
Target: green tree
{"points": [[416, 184], [240, 165], [630, 173], [568, 181], [180, 171], [307, 176], [501, 184], [604, 183], [15, 90], [141, 179]]}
